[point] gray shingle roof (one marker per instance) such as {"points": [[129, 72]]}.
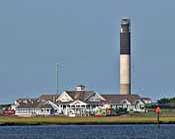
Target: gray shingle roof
{"points": [[32, 103], [76, 95], [80, 95], [117, 99], [27, 103], [47, 97]]}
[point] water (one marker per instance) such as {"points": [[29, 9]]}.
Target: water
{"points": [[88, 132]]}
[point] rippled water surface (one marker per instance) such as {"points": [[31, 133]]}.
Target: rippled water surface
{"points": [[88, 132]]}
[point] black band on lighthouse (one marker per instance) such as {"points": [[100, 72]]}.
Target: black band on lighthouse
{"points": [[125, 43]]}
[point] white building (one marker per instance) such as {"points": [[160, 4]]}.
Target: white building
{"points": [[78, 102], [33, 107]]}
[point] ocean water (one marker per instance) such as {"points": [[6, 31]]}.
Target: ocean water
{"points": [[88, 132]]}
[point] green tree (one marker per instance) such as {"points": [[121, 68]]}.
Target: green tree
{"points": [[163, 101]]}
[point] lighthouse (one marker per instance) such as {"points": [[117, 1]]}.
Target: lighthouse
{"points": [[125, 57]]}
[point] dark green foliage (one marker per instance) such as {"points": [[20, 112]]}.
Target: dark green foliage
{"points": [[172, 100], [5, 106], [166, 101], [150, 106], [121, 110], [163, 101]]}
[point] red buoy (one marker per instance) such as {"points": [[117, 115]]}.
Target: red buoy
{"points": [[157, 110]]}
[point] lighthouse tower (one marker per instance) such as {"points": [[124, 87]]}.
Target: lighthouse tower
{"points": [[125, 58]]}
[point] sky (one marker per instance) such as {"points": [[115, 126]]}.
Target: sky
{"points": [[82, 36]]}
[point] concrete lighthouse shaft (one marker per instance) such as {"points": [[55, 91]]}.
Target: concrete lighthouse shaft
{"points": [[125, 59]]}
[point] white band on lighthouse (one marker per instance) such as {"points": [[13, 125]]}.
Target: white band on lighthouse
{"points": [[124, 69]]}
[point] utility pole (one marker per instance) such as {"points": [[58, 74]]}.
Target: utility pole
{"points": [[57, 74]]}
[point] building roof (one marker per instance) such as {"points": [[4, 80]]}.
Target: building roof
{"points": [[146, 98], [44, 105], [51, 97], [80, 95], [26, 100], [32, 103], [84, 96], [35, 104], [80, 85], [117, 99], [27, 103]]}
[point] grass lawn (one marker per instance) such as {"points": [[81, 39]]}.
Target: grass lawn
{"points": [[135, 118], [166, 116]]}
